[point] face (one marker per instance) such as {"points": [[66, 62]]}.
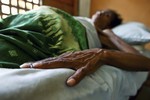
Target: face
{"points": [[102, 19]]}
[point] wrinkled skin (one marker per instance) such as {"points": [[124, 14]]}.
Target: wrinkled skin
{"points": [[83, 62]]}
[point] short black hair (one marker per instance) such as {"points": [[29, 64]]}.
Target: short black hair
{"points": [[117, 20]]}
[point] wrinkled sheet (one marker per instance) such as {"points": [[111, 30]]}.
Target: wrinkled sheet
{"points": [[107, 83]]}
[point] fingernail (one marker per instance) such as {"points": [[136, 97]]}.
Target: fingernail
{"points": [[71, 82], [24, 65]]}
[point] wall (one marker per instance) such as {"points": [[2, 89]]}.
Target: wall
{"points": [[130, 10], [70, 6], [84, 8]]}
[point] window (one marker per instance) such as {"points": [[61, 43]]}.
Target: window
{"points": [[11, 7]]}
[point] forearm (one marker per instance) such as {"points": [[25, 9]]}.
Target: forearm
{"points": [[122, 46], [126, 61], [111, 40]]}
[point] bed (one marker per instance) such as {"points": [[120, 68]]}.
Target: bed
{"points": [[107, 83]]}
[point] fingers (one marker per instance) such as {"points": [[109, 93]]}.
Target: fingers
{"points": [[107, 30], [46, 64], [26, 65], [32, 65], [77, 76]]}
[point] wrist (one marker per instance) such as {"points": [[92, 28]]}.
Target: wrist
{"points": [[103, 55]]}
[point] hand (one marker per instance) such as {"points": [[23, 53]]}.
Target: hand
{"points": [[83, 62], [106, 33], [107, 38]]}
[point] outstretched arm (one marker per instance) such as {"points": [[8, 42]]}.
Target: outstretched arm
{"points": [[127, 61], [87, 61]]}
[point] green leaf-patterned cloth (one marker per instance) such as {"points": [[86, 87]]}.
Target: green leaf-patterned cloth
{"points": [[38, 34]]}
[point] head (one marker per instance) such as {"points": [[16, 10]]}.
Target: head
{"points": [[106, 19]]}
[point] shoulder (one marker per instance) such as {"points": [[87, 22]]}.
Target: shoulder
{"points": [[84, 20]]}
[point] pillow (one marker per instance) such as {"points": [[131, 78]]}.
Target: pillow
{"points": [[133, 33]]}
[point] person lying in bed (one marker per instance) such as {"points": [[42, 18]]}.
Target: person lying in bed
{"points": [[49, 33], [41, 33], [87, 61]]}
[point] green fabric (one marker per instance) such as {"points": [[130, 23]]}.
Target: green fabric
{"points": [[38, 34]]}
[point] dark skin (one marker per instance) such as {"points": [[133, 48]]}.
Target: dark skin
{"points": [[115, 52]]}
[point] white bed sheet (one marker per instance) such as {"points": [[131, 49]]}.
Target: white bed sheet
{"points": [[108, 83]]}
